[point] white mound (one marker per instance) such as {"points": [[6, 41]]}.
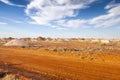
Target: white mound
{"points": [[15, 42]]}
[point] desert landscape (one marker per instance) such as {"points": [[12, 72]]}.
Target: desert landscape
{"points": [[59, 39], [59, 59]]}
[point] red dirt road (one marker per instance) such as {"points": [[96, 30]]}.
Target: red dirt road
{"points": [[38, 65]]}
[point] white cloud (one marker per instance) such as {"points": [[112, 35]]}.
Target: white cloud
{"points": [[112, 18], [11, 4], [73, 23], [54, 14], [2, 23], [109, 19], [45, 11], [112, 4]]}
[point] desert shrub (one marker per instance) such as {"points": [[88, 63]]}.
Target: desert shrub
{"points": [[23, 47]]}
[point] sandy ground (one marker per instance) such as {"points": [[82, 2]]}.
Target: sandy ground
{"points": [[41, 65]]}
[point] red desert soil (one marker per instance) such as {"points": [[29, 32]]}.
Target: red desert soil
{"points": [[41, 65]]}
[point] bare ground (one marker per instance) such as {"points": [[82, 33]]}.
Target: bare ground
{"points": [[45, 65]]}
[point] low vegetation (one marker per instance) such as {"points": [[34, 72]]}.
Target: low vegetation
{"points": [[60, 60]]}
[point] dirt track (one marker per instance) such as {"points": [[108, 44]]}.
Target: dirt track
{"points": [[37, 65]]}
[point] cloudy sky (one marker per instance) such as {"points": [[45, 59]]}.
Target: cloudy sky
{"points": [[60, 18]]}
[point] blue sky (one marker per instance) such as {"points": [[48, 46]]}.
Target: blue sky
{"points": [[60, 18]]}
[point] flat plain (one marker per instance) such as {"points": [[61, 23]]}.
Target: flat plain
{"points": [[44, 64]]}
